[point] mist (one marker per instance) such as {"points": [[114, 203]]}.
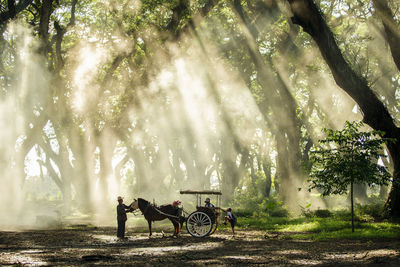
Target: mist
{"points": [[140, 105]]}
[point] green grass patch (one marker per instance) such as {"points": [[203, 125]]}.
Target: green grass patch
{"points": [[365, 232], [321, 228]]}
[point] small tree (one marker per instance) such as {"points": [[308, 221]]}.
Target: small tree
{"points": [[347, 157]]}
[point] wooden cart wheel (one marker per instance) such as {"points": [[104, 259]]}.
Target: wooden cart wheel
{"points": [[199, 224], [217, 216]]}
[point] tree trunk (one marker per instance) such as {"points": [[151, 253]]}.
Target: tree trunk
{"points": [[266, 166], [82, 168], [352, 205], [229, 172], [45, 12], [307, 15]]}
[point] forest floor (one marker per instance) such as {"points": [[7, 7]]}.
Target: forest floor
{"points": [[89, 245]]}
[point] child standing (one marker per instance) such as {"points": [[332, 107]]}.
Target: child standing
{"points": [[231, 218]]}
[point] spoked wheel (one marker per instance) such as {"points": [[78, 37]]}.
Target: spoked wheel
{"points": [[199, 224], [217, 216]]}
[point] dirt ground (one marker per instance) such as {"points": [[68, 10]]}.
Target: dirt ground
{"points": [[82, 245]]}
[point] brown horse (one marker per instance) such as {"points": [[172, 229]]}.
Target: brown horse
{"points": [[158, 213]]}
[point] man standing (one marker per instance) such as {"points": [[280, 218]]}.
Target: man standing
{"points": [[121, 217]]}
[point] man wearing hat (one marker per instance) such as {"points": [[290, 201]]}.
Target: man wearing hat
{"points": [[121, 217], [208, 203]]}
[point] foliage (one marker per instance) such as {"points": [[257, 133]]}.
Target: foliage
{"points": [[348, 156], [320, 213], [249, 203], [370, 212], [119, 58]]}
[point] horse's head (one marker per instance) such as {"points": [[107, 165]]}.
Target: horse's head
{"points": [[135, 204]]}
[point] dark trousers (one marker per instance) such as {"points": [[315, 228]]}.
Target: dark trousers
{"points": [[121, 229]]}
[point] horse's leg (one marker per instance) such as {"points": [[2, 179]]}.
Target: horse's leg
{"points": [[179, 227], [176, 227], [149, 222], [181, 222]]}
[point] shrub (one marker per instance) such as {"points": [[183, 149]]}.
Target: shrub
{"points": [[248, 203], [374, 211], [279, 212], [243, 213], [324, 213]]}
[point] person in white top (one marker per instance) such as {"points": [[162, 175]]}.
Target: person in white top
{"points": [[231, 218]]}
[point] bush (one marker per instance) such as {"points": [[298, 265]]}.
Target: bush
{"points": [[243, 213], [248, 203], [320, 213], [274, 208], [279, 212], [324, 213], [374, 211]]}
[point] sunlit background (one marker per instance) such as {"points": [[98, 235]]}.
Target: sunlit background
{"points": [[146, 98]]}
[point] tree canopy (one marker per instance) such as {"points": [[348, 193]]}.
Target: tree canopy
{"points": [[147, 97], [346, 157]]}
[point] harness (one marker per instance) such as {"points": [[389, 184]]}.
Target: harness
{"points": [[159, 211], [165, 214]]}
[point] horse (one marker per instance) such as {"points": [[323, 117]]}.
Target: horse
{"points": [[153, 213]]}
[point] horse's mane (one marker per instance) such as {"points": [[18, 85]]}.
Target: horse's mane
{"points": [[143, 203]]}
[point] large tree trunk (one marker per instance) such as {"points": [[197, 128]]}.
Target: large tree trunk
{"points": [[266, 166], [45, 12], [307, 15], [229, 171], [82, 154]]}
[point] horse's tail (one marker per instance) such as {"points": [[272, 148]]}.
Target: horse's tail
{"points": [[181, 221]]}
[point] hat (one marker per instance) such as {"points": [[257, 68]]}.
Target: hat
{"points": [[120, 198], [207, 200], [228, 209]]}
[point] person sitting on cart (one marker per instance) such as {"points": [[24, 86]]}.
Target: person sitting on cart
{"points": [[208, 203], [231, 218]]}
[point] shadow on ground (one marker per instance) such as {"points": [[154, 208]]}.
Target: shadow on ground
{"points": [[98, 246]]}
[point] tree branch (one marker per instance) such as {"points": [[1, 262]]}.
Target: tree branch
{"points": [[13, 10], [391, 28]]}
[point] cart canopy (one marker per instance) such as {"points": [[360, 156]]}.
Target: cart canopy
{"points": [[203, 192]]}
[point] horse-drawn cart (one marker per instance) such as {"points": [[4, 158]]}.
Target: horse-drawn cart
{"points": [[199, 223], [204, 221]]}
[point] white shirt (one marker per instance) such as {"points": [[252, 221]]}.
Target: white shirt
{"points": [[229, 214]]}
